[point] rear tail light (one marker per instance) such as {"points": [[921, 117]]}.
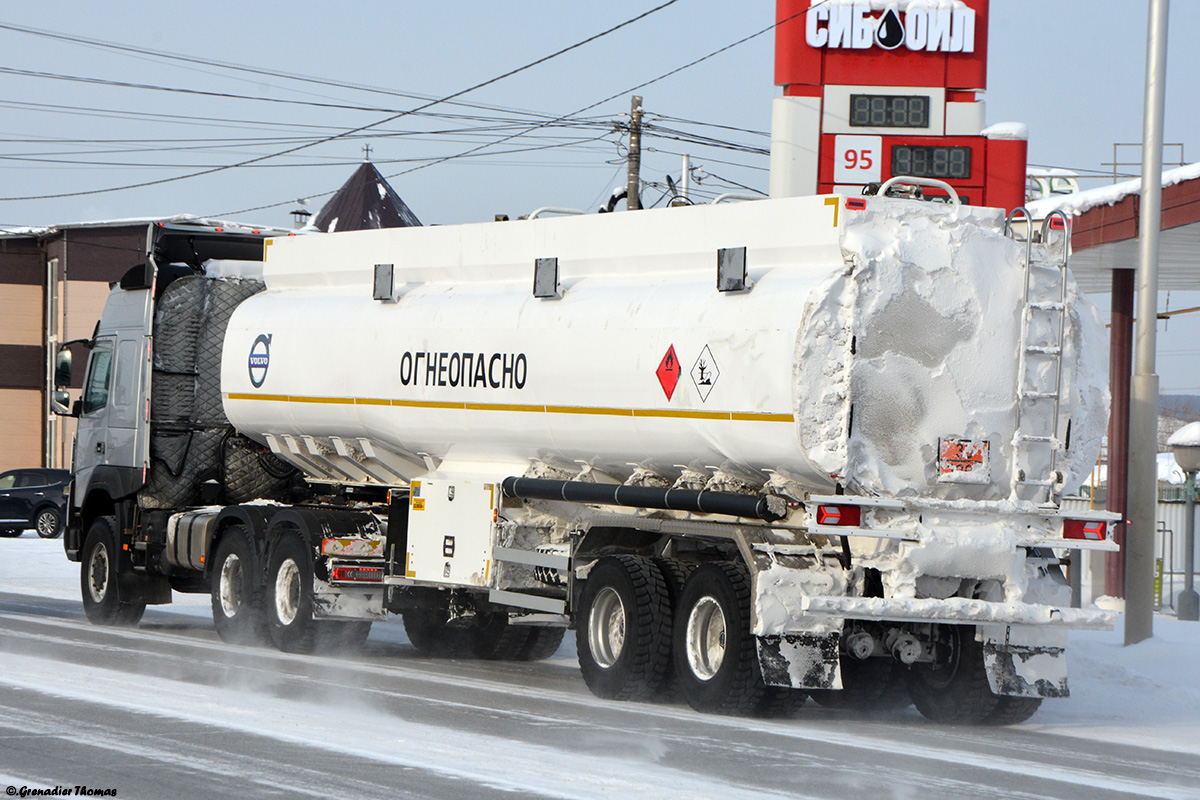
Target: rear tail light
{"points": [[855, 204], [1095, 530], [358, 574], [839, 515]]}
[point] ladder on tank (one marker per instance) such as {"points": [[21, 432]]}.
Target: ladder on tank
{"points": [[1040, 362]]}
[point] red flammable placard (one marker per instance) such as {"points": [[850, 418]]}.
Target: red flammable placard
{"points": [[668, 372]]}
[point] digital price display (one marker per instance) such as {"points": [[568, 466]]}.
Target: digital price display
{"points": [[928, 161], [889, 111]]}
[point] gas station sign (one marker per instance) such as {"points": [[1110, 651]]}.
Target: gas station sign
{"points": [[871, 93]]}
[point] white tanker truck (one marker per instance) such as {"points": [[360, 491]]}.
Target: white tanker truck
{"points": [[749, 452]]}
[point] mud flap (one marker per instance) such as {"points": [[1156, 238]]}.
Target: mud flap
{"points": [[801, 660], [1025, 661], [348, 603]]}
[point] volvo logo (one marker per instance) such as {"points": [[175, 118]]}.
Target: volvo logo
{"points": [[260, 359]]}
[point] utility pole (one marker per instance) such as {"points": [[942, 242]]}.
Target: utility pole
{"points": [[1143, 427], [633, 200]]}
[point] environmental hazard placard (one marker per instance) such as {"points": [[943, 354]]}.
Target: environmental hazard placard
{"points": [[705, 373]]}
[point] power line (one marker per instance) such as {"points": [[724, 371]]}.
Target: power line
{"points": [[576, 113], [361, 128]]}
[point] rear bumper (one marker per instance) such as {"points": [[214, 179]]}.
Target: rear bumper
{"points": [[953, 610]]}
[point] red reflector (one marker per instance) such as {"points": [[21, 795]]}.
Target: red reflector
{"points": [[839, 515], [1095, 530], [1057, 224], [855, 204], [358, 574]]}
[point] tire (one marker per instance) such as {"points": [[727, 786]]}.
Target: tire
{"points": [[288, 608], [99, 581], [1013, 710], [716, 657], [491, 636], [954, 690], [237, 598], [543, 643], [48, 523], [780, 702], [623, 636], [874, 686], [333, 636], [427, 631], [675, 573]]}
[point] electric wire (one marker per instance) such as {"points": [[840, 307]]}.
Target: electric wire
{"points": [[361, 128]]}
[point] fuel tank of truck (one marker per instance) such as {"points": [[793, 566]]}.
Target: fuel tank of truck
{"points": [[862, 339]]}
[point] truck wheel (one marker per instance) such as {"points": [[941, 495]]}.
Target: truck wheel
{"points": [[1013, 710], [675, 574], [335, 636], [99, 581], [493, 637], [427, 630], [716, 660], [543, 643], [623, 637], [289, 597], [954, 689], [873, 686], [237, 606], [48, 523]]}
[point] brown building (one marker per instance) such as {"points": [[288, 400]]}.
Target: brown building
{"points": [[53, 285]]}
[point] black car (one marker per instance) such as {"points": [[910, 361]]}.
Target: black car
{"points": [[33, 498]]}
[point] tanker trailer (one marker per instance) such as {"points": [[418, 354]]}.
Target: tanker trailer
{"points": [[750, 452]]}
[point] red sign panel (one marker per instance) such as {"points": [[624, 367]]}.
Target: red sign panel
{"points": [[668, 372]]}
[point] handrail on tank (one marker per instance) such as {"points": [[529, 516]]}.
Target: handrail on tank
{"points": [[1012, 217], [555, 210], [1047, 226], [934, 182], [724, 198]]}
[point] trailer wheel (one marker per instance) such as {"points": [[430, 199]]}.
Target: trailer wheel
{"points": [[1013, 710], [335, 636], [873, 686], [543, 643], [716, 659], [237, 603], [954, 689], [427, 630], [100, 583], [623, 637], [289, 597]]}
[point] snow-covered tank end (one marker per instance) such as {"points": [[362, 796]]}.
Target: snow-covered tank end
{"points": [[918, 341]]}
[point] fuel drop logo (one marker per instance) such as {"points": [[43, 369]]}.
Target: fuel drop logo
{"points": [[260, 359]]}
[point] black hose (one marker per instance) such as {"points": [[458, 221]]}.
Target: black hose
{"points": [[769, 509]]}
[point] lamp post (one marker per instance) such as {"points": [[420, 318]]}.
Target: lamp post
{"points": [[1185, 442]]}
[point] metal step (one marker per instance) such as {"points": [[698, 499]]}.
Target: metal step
{"points": [[1045, 305], [1032, 438], [1038, 395], [1049, 350]]}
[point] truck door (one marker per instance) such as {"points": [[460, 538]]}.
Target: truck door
{"points": [[91, 440], [127, 439]]}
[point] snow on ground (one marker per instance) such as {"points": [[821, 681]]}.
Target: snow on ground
{"points": [[1146, 694]]}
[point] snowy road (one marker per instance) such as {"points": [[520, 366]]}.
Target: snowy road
{"points": [[169, 710]]}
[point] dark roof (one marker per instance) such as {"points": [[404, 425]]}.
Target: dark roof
{"points": [[365, 201]]}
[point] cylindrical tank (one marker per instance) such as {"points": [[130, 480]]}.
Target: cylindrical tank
{"points": [[862, 337]]}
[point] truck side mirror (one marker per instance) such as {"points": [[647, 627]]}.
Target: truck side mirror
{"points": [[60, 404], [62, 369]]}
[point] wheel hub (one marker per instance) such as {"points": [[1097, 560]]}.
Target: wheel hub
{"points": [[706, 638], [230, 585], [287, 592], [606, 627], [98, 574]]}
